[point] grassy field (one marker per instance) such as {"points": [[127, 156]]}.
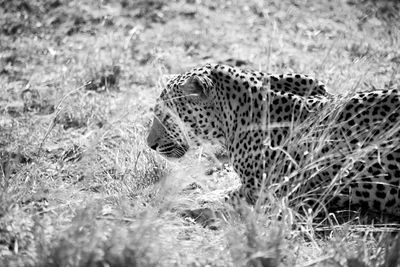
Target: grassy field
{"points": [[79, 186]]}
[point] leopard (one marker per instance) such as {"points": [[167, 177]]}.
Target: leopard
{"points": [[286, 131]]}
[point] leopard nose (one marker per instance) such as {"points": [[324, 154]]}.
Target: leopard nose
{"points": [[154, 146]]}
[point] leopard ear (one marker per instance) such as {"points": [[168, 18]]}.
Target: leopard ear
{"points": [[197, 86]]}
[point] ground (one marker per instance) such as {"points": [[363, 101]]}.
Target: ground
{"points": [[79, 186]]}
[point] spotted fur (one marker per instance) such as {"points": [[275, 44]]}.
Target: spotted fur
{"points": [[257, 117]]}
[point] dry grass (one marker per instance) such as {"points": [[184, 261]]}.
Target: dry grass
{"points": [[78, 185]]}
